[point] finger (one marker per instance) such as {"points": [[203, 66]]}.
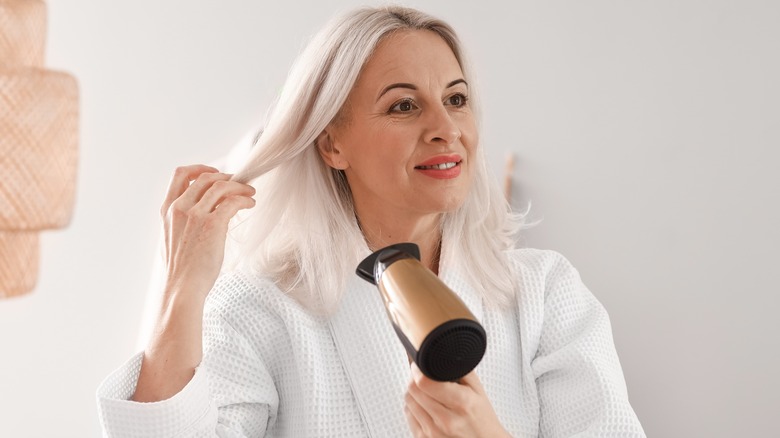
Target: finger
{"points": [[180, 181], [424, 420], [449, 394], [219, 191], [414, 425], [472, 381], [195, 192], [435, 409], [230, 206]]}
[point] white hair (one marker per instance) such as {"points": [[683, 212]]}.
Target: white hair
{"points": [[303, 233]]}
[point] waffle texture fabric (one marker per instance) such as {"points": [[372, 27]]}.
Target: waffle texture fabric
{"points": [[270, 368]]}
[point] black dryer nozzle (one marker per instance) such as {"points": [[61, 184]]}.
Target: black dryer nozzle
{"points": [[370, 270]]}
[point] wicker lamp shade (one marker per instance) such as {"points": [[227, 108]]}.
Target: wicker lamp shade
{"points": [[38, 144], [38, 149], [18, 262], [22, 32]]}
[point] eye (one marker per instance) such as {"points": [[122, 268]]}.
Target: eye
{"points": [[403, 106], [457, 100]]}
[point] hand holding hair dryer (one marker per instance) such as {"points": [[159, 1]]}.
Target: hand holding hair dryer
{"points": [[437, 329]]}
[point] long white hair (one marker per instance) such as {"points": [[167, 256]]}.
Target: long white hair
{"points": [[303, 232]]}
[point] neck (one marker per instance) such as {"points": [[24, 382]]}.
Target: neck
{"points": [[425, 231]]}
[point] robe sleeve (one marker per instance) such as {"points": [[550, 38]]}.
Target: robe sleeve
{"points": [[582, 391], [231, 394]]}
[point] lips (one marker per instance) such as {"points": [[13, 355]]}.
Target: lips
{"points": [[441, 166], [440, 159]]}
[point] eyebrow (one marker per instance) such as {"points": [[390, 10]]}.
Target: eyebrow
{"points": [[414, 87]]}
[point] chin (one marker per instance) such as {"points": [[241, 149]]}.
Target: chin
{"points": [[450, 204]]}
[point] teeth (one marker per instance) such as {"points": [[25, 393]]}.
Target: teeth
{"points": [[441, 166]]}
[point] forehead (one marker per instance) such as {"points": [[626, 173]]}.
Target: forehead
{"points": [[410, 56]]}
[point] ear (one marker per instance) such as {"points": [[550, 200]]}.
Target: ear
{"points": [[329, 150]]}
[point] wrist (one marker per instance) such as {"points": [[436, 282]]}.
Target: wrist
{"points": [[181, 295], [497, 431]]}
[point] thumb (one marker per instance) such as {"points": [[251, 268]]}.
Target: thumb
{"points": [[472, 381]]}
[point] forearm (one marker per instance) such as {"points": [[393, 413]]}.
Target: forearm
{"points": [[197, 209], [175, 350]]}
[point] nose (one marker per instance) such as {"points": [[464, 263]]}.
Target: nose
{"points": [[440, 127]]}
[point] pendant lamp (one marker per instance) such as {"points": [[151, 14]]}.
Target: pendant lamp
{"points": [[38, 144]]}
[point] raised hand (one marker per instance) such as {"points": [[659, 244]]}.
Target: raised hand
{"points": [[196, 212]]}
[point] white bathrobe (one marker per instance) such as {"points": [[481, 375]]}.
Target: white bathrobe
{"points": [[270, 368]]}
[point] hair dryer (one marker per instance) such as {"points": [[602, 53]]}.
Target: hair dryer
{"points": [[437, 329]]}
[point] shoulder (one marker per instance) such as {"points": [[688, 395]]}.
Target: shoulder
{"points": [[553, 301], [547, 282], [241, 298], [541, 268], [239, 287], [254, 305]]}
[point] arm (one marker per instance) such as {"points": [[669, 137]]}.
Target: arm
{"points": [[196, 212], [231, 393], [582, 392], [198, 207]]}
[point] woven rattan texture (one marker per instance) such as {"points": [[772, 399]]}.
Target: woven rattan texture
{"points": [[38, 148], [22, 32], [18, 262]]}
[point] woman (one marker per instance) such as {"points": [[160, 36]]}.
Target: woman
{"points": [[374, 142]]}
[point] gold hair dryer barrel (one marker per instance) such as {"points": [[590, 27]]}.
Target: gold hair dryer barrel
{"points": [[439, 332]]}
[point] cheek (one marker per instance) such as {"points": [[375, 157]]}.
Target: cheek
{"points": [[470, 141], [467, 125], [388, 150], [380, 164]]}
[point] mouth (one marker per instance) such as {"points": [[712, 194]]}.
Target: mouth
{"points": [[440, 166]]}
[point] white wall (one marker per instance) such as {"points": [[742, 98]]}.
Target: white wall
{"points": [[646, 134]]}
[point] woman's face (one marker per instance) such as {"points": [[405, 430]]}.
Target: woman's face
{"points": [[407, 137]]}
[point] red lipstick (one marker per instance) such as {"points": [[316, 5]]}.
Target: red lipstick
{"points": [[441, 166]]}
